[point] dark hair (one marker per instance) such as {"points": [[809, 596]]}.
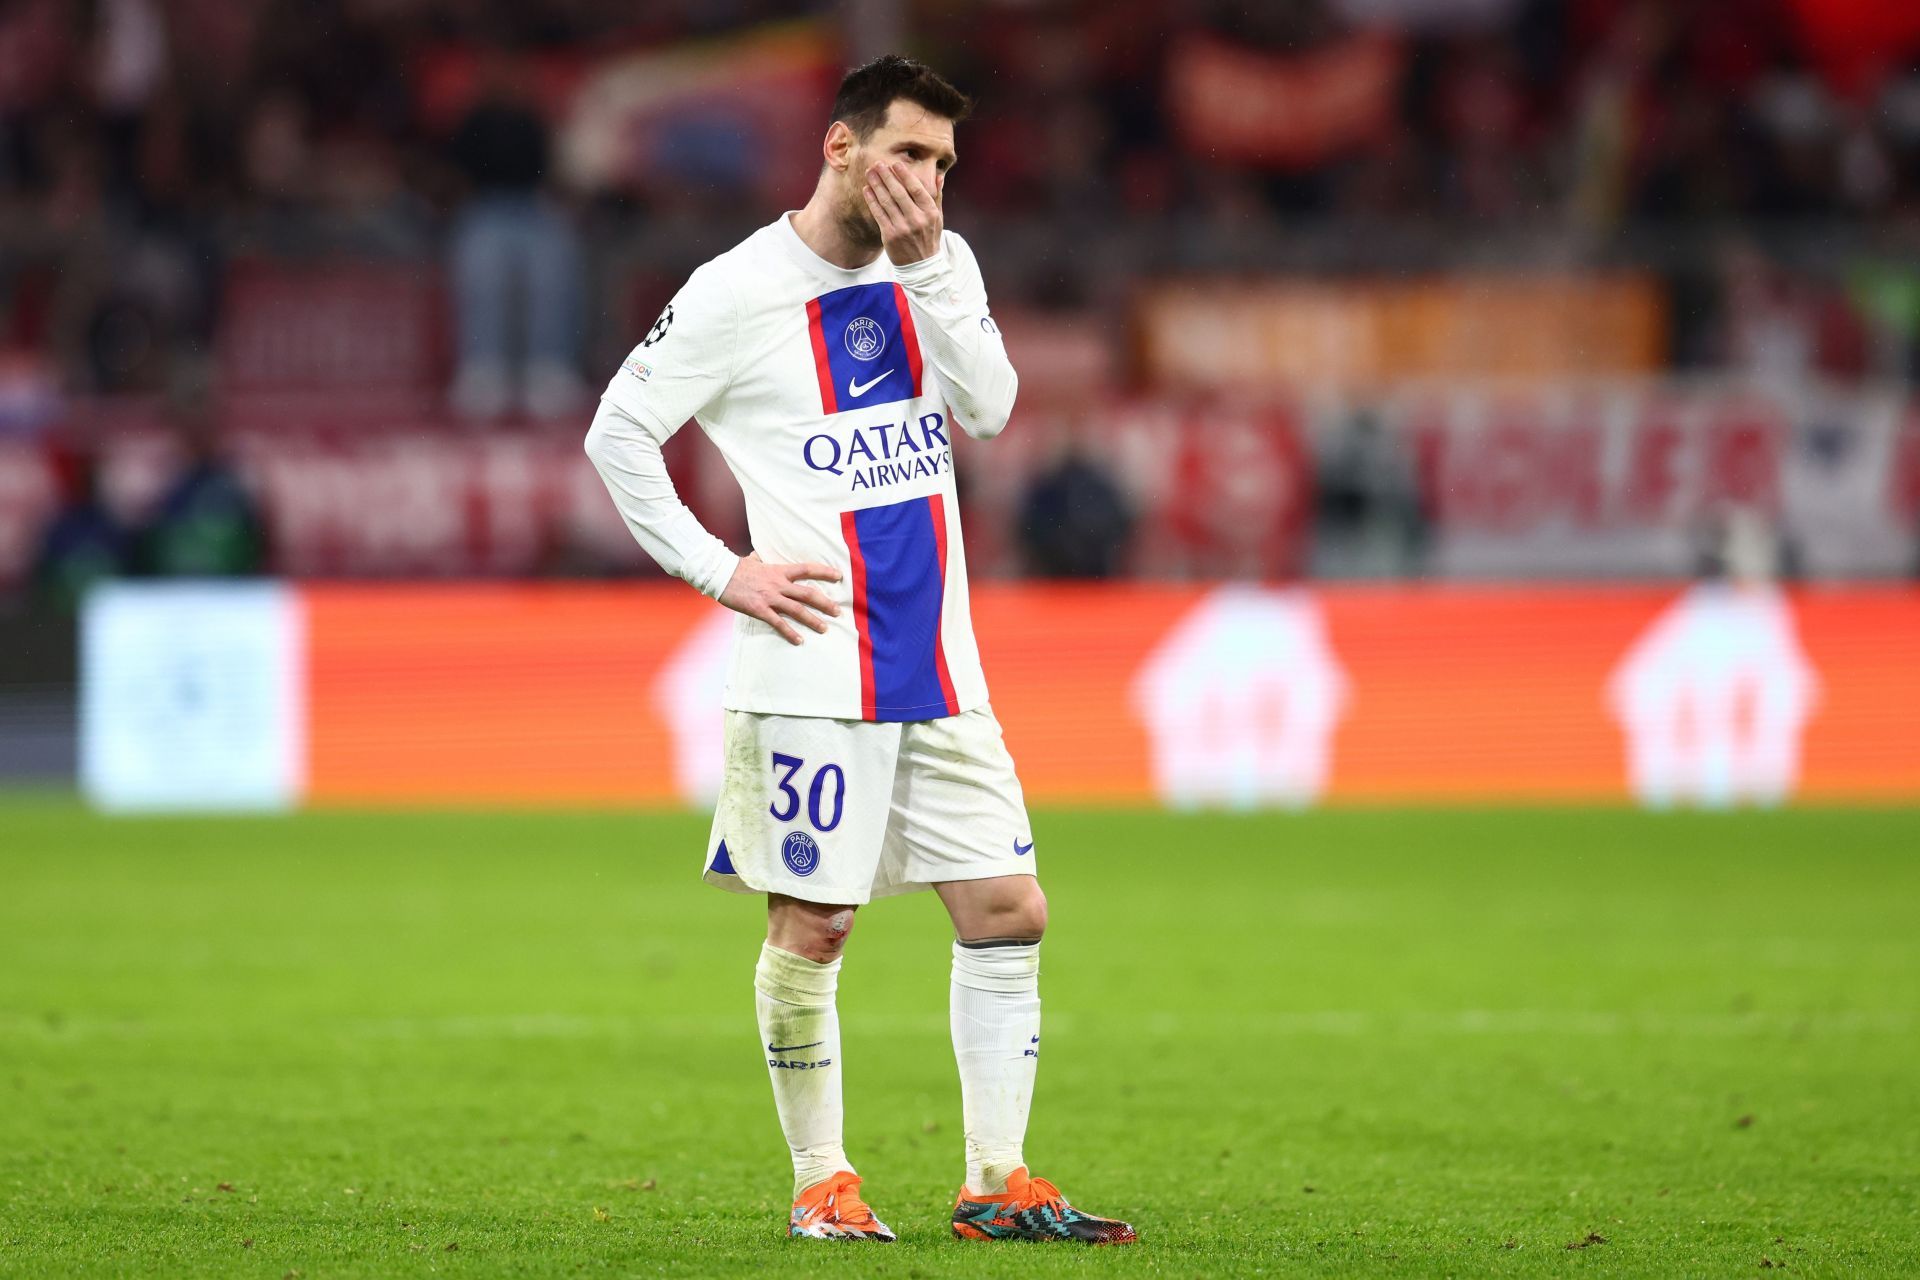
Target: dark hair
{"points": [[868, 91]]}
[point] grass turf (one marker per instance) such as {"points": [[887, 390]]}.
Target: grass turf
{"points": [[1520, 1043]]}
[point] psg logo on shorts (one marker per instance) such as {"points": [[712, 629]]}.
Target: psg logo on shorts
{"points": [[800, 853], [865, 339]]}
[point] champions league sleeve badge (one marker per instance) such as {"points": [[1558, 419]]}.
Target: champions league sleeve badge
{"points": [[660, 327]]}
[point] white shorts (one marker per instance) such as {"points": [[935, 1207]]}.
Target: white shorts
{"points": [[843, 811]]}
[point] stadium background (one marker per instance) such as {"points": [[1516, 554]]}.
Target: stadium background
{"points": [[1565, 295], [1458, 403]]}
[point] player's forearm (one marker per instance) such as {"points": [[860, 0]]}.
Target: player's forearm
{"points": [[629, 461], [969, 359]]}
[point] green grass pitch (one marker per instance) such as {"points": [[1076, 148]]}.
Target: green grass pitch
{"points": [[1345, 1044]]}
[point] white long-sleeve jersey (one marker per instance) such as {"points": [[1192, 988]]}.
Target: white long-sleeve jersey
{"points": [[833, 395]]}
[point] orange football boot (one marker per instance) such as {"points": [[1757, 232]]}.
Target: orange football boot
{"points": [[833, 1210], [1032, 1209]]}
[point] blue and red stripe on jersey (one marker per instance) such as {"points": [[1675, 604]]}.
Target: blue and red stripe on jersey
{"points": [[899, 559], [865, 348]]}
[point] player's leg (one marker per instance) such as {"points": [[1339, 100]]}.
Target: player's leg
{"points": [[997, 924], [798, 821], [995, 1016], [960, 824], [794, 987]]}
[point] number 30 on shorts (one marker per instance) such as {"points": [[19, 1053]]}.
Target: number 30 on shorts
{"points": [[786, 805]]}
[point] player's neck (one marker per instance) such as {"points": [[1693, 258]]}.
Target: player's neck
{"points": [[821, 232]]}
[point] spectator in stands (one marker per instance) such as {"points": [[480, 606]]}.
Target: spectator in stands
{"points": [[206, 524], [1739, 543], [515, 252], [1370, 520], [83, 543], [1075, 522], [1784, 328]]}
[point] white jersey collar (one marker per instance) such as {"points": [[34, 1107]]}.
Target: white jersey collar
{"points": [[809, 261]]}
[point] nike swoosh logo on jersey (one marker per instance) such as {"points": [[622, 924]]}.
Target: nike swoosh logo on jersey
{"points": [[788, 1048], [1020, 850], [858, 389]]}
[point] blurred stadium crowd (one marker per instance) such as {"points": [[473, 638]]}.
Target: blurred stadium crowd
{"points": [[293, 232]]}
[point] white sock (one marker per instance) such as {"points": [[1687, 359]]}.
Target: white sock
{"points": [[800, 1038], [996, 1041]]}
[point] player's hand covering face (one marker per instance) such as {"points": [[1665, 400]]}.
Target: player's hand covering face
{"points": [[908, 214], [900, 175]]}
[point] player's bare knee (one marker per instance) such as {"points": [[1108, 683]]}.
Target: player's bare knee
{"points": [[816, 943], [817, 931], [1016, 912], [834, 930], [1030, 912]]}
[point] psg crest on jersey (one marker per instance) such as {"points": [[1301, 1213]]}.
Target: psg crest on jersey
{"points": [[865, 339], [865, 350]]}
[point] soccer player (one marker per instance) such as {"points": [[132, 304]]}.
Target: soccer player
{"points": [[830, 357]]}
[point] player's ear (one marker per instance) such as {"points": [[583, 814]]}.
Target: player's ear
{"points": [[838, 146]]}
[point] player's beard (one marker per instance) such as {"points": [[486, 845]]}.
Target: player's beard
{"points": [[857, 223]]}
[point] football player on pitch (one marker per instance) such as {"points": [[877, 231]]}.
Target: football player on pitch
{"points": [[829, 357]]}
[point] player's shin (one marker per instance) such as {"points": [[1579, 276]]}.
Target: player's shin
{"points": [[996, 1041], [800, 1036]]}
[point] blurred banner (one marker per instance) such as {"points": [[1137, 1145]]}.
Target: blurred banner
{"points": [[738, 114], [1631, 480], [1361, 336], [1289, 111], [1603, 480], [1627, 480], [1235, 696], [361, 334]]}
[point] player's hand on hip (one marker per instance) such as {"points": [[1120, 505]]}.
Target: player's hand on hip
{"points": [[908, 214], [775, 593]]}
